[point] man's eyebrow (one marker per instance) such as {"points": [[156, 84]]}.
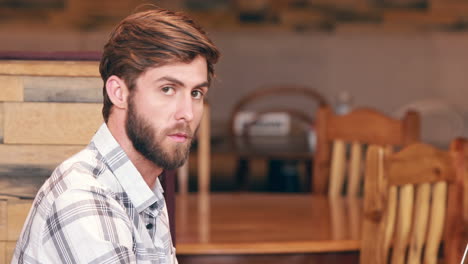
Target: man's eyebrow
{"points": [[180, 83]]}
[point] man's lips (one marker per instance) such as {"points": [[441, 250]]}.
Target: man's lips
{"points": [[179, 137]]}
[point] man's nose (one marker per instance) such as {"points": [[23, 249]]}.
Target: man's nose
{"points": [[185, 109]]}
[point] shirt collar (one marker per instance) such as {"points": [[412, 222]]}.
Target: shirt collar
{"points": [[125, 172]]}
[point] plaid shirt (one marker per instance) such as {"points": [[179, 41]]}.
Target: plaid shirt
{"points": [[96, 208]]}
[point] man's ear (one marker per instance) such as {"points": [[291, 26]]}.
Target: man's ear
{"points": [[117, 91]]}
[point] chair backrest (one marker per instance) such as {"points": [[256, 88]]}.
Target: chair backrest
{"points": [[413, 200], [360, 127], [275, 91], [296, 102]]}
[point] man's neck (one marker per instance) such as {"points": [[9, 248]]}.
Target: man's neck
{"points": [[148, 170]]}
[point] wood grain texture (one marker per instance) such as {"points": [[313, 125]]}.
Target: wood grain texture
{"points": [[364, 126], [338, 168], [300, 258], [51, 123], [456, 229], [320, 180], [423, 217], [204, 152], [372, 246], [17, 212], [389, 219], [50, 68], [247, 223], [437, 221], [62, 89], [13, 213], [2, 119], [12, 88], [433, 165], [36, 155], [23, 168], [10, 250], [3, 253], [403, 223], [355, 170], [3, 220]]}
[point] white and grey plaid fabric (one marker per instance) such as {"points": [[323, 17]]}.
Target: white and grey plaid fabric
{"points": [[96, 208]]}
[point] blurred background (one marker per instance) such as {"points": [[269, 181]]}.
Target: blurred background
{"points": [[391, 55]]}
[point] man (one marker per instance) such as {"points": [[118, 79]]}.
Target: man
{"points": [[106, 204]]}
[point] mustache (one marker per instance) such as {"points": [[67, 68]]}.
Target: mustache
{"points": [[180, 128]]}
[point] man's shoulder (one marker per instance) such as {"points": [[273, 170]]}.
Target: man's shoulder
{"points": [[82, 172]]}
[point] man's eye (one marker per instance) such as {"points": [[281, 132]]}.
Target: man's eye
{"points": [[168, 90], [197, 94]]}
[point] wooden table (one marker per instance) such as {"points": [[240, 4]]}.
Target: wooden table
{"points": [[249, 223]]}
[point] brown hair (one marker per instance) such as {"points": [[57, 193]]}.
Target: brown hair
{"points": [[151, 39]]}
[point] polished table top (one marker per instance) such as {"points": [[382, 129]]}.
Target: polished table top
{"points": [[254, 223]]}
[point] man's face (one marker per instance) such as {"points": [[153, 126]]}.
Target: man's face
{"points": [[165, 109]]}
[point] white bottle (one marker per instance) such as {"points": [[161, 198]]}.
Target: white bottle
{"points": [[343, 103]]}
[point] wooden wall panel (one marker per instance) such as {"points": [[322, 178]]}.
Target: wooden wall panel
{"points": [[11, 87], [1, 122], [62, 89], [9, 250], [3, 221], [51, 123], [50, 68], [40, 155], [17, 212], [3, 258], [24, 168]]}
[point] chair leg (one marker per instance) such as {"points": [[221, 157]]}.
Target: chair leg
{"points": [[242, 174]]}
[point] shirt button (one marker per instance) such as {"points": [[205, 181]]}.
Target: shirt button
{"points": [[149, 226]]}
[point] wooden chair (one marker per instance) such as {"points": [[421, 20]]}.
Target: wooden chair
{"points": [[413, 201], [260, 96], [360, 127]]}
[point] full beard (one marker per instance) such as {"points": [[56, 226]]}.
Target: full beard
{"points": [[144, 139]]}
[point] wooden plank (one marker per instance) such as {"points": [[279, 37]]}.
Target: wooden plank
{"points": [[3, 220], [321, 168], [62, 89], [419, 163], [204, 153], [36, 155], [421, 218], [24, 168], [373, 228], [11, 87], [338, 168], [17, 213], [374, 128], [50, 68], [261, 247], [404, 217], [1, 122], [338, 218], [51, 123], [355, 172], [436, 224], [3, 253], [9, 250], [389, 220], [253, 233]]}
